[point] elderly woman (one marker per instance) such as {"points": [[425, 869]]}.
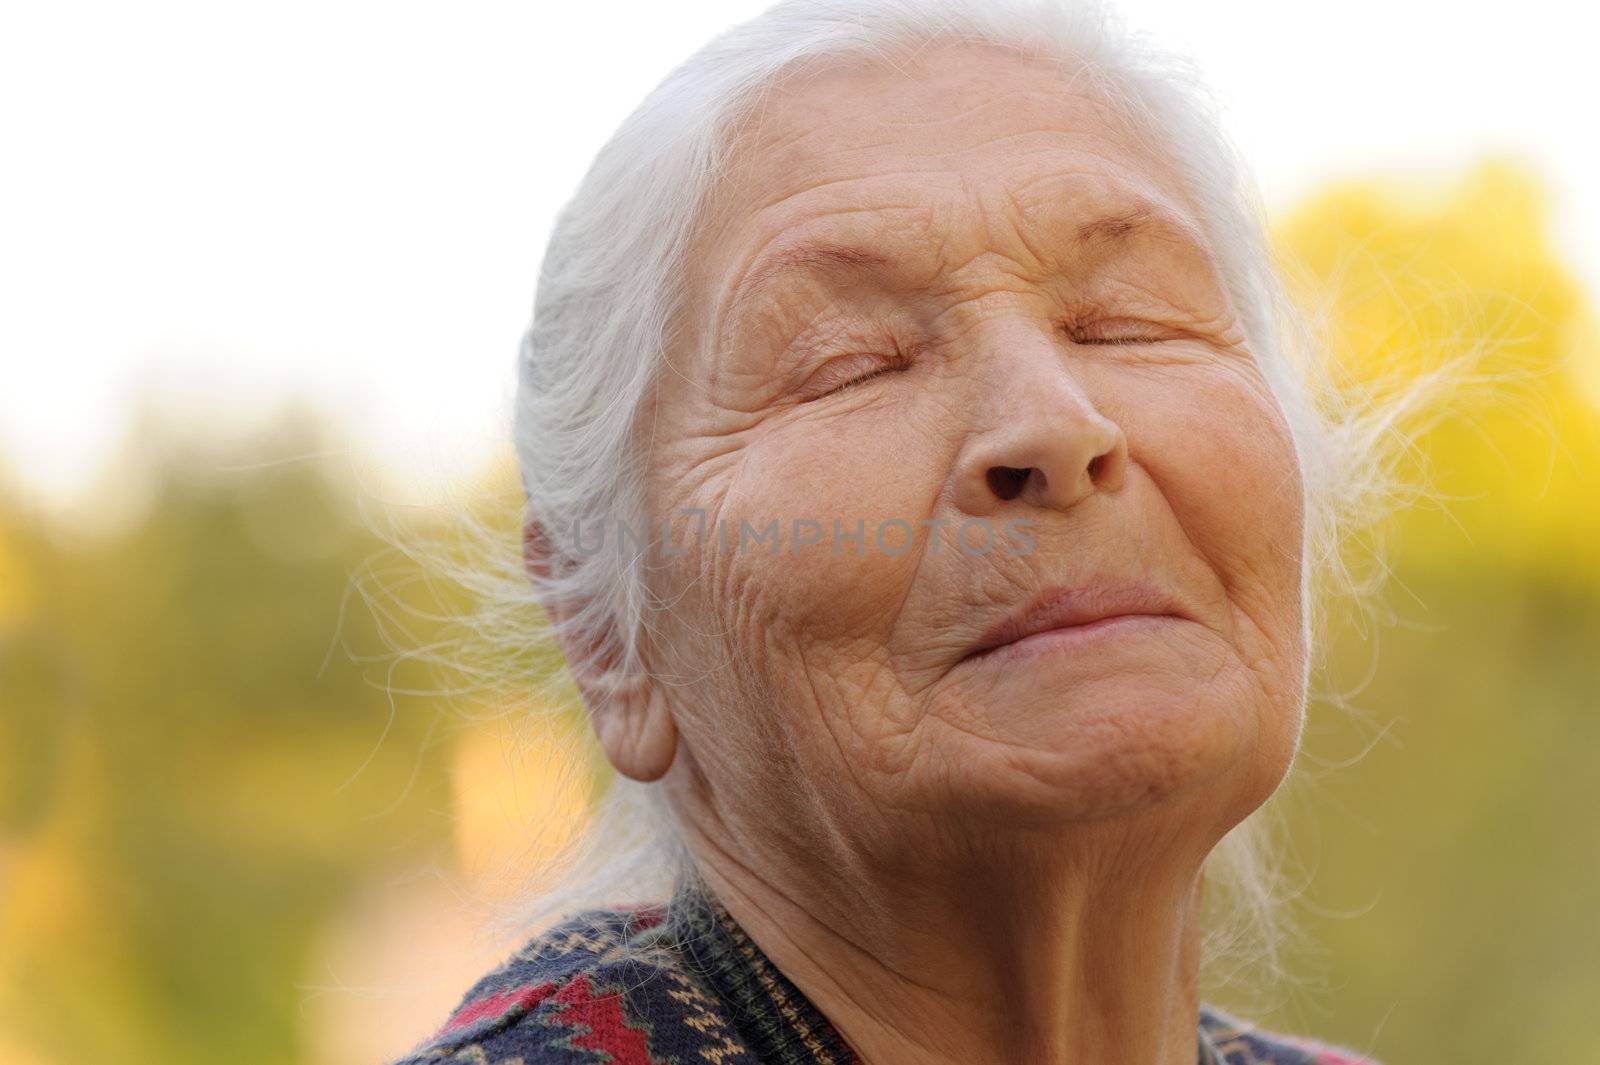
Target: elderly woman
{"points": [[926, 498]]}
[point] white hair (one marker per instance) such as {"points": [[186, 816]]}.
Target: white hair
{"points": [[608, 292]]}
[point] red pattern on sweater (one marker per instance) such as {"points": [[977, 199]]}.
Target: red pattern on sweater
{"points": [[608, 1031]]}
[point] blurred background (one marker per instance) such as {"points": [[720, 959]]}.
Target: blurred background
{"points": [[265, 267]]}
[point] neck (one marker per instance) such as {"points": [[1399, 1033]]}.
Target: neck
{"points": [[1046, 954]]}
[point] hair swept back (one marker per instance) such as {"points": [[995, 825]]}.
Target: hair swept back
{"points": [[607, 295]]}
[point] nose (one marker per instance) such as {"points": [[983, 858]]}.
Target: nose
{"points": [[1048, 446]]}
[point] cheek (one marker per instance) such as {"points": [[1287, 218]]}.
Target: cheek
{"points": [[847, 495], [802, 628], [1224, 458]]}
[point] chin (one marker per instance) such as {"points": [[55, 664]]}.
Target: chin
{"points": [[1100, 748]]}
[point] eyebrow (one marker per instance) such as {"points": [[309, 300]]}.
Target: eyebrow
{"points": [[1115, 228], [823, 257], [812, 258]]}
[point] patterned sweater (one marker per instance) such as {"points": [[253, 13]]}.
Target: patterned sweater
{"points": [[680, 983]]}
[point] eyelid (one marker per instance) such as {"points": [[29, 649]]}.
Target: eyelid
{"points": [[1147, 332], [877, 363]]}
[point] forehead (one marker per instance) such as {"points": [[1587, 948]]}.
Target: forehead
{"points": [[966, 149]]}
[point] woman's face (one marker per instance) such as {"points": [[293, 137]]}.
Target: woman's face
{"points": [[947, 307]]}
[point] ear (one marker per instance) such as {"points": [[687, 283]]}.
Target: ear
{"points": [[628, 710]]}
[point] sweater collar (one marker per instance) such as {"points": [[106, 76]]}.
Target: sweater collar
{"points": [[781, 1025]]}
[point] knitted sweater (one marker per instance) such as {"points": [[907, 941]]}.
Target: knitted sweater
{"points": [[680, 983]]}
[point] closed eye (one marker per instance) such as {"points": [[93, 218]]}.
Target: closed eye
{"points": [[879, 372], [890, 363], [1121, 331]]}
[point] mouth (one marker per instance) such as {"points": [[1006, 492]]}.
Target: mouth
{"points": [[1059, 617]]}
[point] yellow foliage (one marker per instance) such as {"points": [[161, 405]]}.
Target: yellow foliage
{"points": [[49, 888], [15, 592], [517, 798], [1412, 277]]}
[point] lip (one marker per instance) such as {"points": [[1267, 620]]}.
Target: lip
{"points": [[1086, 609]]}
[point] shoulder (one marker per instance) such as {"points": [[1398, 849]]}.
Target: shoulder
{"points": [[1242, 1042], [604, 984]]}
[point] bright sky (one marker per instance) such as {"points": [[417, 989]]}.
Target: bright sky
{"points": [[350, 198]]}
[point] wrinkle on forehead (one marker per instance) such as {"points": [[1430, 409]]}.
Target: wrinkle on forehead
{"points": [[812, 255], [834, 142]]}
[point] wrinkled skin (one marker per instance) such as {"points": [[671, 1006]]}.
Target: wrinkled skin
{"points": [[847, 774]]}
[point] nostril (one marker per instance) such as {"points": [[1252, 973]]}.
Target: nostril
{"points": [[1006, 482]]}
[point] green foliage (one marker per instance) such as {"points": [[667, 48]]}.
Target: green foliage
{"points": [[186, 792], [201, 764], [1447, 824]]}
